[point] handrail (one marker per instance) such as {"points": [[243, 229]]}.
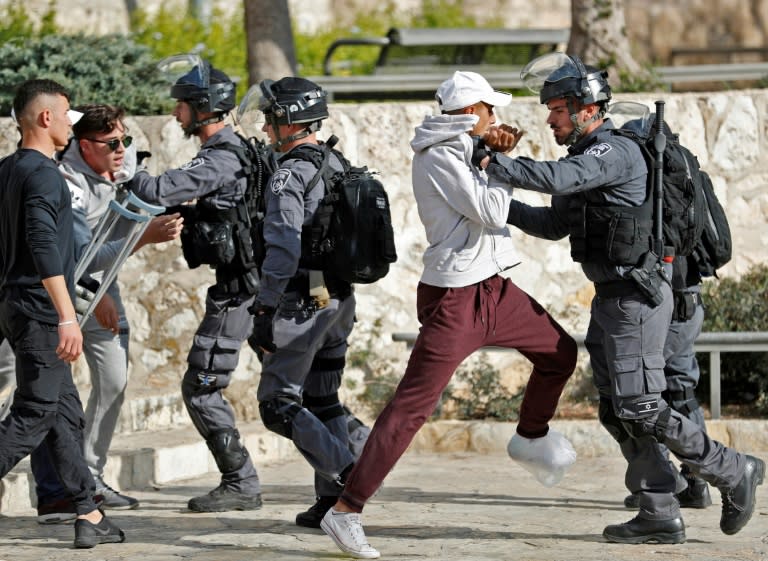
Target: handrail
{"points": [[713, 342]]}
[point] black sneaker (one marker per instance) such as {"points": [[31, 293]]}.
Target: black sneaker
{"points": [[114, 500], [639, 530], [57, 512], [739, 502], [61, 511], [311, 518], [88, 535], [222, 499]]}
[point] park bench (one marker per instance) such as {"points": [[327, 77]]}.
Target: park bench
{"points": [[411, 63]]}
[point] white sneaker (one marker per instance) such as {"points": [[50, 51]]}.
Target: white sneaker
{"points": [[346, 529]]}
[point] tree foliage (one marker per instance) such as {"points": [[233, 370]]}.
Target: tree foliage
{"points": [[106, 69]]}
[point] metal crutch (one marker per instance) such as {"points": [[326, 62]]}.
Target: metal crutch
{"points": [[131, 208]]}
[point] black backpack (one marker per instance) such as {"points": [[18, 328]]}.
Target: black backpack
{"points": [[351, 234], [684, 202], [715, 245]]}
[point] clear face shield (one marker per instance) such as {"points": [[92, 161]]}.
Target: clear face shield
{"points": [[552, 67], [189, 66], [249, 116], [631, 115]]}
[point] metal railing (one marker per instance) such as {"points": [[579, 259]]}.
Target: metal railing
{"points": [[712, 342]]}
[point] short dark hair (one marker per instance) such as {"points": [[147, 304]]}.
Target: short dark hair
{"points": [[28, 91], [97, 118]]}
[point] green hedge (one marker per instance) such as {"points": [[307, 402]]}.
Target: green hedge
{"points": [[107, 69], [738, 305]]}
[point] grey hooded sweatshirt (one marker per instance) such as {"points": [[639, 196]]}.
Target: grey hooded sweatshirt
{"points": [[465, 219]]}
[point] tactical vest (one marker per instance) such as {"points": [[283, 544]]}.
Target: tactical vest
{"points": [[609, 234]]}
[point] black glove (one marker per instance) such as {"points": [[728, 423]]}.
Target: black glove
{"points": [[261, 338], [142, 155], [479, 150]]}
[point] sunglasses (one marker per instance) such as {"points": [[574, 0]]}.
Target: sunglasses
{"points": [[114, 144]]}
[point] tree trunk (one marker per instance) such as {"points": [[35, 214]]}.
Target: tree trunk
{"points": [[271, 53], [599, 38]]}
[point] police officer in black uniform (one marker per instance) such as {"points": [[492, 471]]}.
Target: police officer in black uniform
{"points": [[215, 178], [601, 201], [302, 314]]}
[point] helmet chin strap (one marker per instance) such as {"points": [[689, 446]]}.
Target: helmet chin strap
{"points": [[194, 126], [313, 127], [578, 128]]}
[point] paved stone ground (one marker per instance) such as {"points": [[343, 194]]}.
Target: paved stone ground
{"points": [[446, 507]]}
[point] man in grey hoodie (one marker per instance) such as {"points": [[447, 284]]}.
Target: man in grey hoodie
{"points": [[463, 302]]}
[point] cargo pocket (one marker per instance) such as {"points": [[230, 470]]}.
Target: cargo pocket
{"points": [[653, 371], [628, 378], [225, 354]]}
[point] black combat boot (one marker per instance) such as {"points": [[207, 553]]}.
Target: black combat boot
{"points": [[696, 495], [639, 530], [311, 518], [222, 499], [739, 501]]}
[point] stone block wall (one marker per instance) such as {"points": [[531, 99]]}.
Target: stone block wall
{"points": [[165, 299]]}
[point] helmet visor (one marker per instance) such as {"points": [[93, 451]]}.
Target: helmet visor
{"points": [[552, 67], [249, 113], [188, 66], [632, 116]]}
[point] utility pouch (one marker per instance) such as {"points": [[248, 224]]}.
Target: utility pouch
{"points": [[647, 278], [685, 305], [210, 243]]}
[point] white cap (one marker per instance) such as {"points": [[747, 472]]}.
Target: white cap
{"points": [[464, 89], [74, 116]]}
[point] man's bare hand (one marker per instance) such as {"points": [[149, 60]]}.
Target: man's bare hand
{"points": [[106, 314], [70, 345], [161, 229], [502, 138]]}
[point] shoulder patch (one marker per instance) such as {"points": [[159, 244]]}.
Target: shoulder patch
{"points": [[192, 164], [599, 150], [279, 179]]}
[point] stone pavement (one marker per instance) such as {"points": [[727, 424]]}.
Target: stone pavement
{"points": [[448, 507]]}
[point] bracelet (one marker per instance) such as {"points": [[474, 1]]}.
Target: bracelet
{"points": [[67, 322]]}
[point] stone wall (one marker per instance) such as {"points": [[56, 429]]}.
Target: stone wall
{"points": [[165, 299]]}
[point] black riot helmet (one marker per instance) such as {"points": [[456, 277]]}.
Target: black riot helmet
{"points": [[292, 100], [206, 89], [559, 75]]}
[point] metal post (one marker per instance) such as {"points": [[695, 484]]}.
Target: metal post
{"points": [[714, 383]]}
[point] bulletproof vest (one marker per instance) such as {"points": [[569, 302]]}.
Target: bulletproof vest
{"points": [[610, 234]]}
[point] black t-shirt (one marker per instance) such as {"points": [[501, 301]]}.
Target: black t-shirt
{"points": [[36, 232]]}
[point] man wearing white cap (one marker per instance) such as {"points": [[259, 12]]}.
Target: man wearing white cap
{"points": [[463, 303], [37, 314]]}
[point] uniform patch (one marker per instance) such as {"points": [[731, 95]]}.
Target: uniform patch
{"points": [[599, 150], [279, 179], [193, 164]]}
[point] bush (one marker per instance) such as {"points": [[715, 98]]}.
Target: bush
{"points": [[738, 305], [480, 393], [107, 69]]}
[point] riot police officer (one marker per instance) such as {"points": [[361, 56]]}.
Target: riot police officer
{"points": [[215, 178], [600, 200], [302, 313]]}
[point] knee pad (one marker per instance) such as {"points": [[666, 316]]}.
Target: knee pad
{"points": [[610, 421], [324, 407], [227, 450], [278, 413]]}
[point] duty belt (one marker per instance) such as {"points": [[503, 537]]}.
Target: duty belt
{"points": [[338, 289], [615, 289]]}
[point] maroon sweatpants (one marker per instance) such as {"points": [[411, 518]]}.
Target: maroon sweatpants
{"points": [[455, 322]]}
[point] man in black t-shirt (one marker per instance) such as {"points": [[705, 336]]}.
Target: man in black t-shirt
{"points": [[37, 315]]}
